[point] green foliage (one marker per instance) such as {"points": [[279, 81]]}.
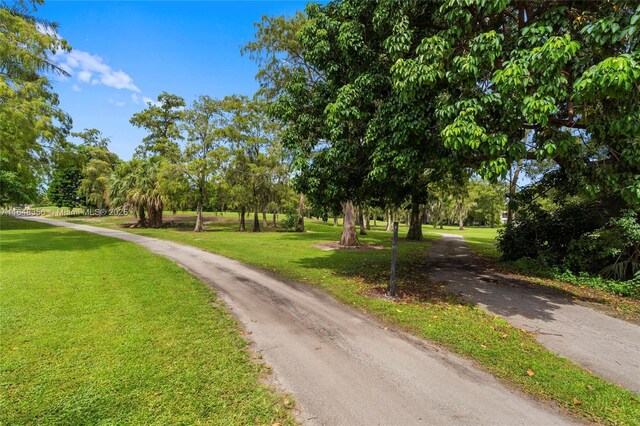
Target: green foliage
{"points": [[63, 188], [161, 119], [566, 72], [137, 185], [352, 136], [32, 126], [488, 203], [536, 267], [203, 156], [98, 165], [579, 236], [14, 189], [278, 52], [257, 168], [290, 220]]}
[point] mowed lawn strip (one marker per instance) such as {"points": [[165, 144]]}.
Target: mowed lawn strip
{"points": [[358, 278], [98, 330]]}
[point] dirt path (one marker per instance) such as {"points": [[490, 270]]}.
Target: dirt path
{"points": [[342, 367], [607, 346]]}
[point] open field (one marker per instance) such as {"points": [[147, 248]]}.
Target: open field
{"points": [[96, 330], [359, 278]]}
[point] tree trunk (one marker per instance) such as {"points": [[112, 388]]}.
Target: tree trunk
{"points": [[361, 221], [335, 221], [389, 221], [300, 225], [154, 216], [199, 221], [275, 218], [349, 237], [460, 221], [264, 219], [415, 225], [142, 217], [256, 220], [242, 223], [375, 223], [367, 222]]}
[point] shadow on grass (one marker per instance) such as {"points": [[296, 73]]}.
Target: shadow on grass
{"points": [[371, 270], [17, 240]]}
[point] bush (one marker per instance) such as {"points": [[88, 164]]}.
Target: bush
{"points": [[579, 242], [538, 267], [290, 220]]}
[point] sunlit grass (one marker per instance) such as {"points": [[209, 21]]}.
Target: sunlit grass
{"points": [[95, 330]]}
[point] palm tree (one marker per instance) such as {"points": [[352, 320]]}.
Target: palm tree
{"points": [[135, 185]]}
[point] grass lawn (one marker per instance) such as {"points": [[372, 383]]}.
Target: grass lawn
{"points": [[359, 278], [97, 330]]}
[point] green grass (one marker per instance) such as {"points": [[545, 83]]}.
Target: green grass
{"points": [[358, 278], [97, 330], [482, 241]]}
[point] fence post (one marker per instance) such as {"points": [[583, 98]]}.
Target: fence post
{"points": [[394, 248]]}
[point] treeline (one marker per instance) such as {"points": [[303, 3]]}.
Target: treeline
{"points": [[215, 154], [221, 155]]}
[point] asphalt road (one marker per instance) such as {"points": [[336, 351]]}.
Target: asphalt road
{"points": [[342, 367], [606, 346]]}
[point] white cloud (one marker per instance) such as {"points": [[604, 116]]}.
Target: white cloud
{"points": [[149, 101], [88, 68], [84, 76], [76, 88], [117, 103], [134, 98]]}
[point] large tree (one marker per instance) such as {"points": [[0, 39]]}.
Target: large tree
{"points": [[98, 165], [32, 125], [204, 123], [566, 71], [255, 154], [357, 139], [162, 120]]}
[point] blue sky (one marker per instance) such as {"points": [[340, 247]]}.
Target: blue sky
{"points": [[127, 52]]}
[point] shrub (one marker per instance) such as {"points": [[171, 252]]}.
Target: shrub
{"points": [[577, 242], [290, 220]]}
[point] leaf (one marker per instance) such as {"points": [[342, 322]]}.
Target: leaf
{"points": [[530, 372], [576, 401]]}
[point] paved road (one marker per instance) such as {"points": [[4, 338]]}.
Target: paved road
{"points": [[607, 346], [342, 367]]}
